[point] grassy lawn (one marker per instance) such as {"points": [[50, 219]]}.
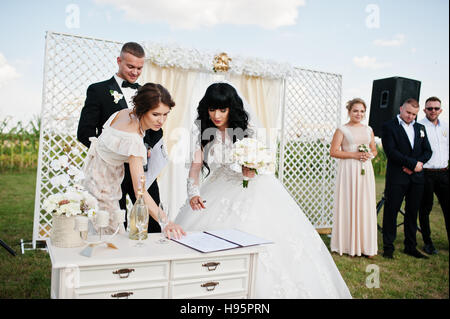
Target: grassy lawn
{"points": [[404, 277], [28, 275]]}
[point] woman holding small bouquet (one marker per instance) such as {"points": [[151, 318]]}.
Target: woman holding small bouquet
{"points": [[239, 190], [355, 217]]}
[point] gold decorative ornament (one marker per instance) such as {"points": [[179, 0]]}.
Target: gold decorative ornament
{"points": [[221, 62]]}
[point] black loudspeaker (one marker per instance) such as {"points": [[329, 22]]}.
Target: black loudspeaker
{"points": [[387, 97]]}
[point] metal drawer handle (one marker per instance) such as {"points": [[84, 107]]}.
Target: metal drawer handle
{"points": [[210, 286], [122, 295], [123, 273], [211, 266]]}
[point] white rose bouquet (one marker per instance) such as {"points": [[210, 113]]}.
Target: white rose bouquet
{"points": [[253, 154], [363, 148]]}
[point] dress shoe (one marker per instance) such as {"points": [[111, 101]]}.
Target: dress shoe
{"points": [[430, 249], [415, 253], [388, 254]]}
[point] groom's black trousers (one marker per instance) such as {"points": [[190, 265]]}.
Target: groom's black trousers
{"points": [[394, 194], [127, 188]]}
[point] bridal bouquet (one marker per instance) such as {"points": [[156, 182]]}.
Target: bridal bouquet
{"points": [[363, 148], [253, 154]]}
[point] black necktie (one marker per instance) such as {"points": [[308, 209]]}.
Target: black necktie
{"points": [[126, 84]]}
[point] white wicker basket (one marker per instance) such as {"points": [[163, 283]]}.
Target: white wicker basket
{"points": [[63, 234]]}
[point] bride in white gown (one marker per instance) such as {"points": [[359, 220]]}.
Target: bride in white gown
{"points": [[298, 264]]}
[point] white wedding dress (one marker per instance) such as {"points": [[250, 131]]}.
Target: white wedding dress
{"points": [[298, 264]]}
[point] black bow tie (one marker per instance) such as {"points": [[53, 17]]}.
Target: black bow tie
{"points": [[126, 84]]}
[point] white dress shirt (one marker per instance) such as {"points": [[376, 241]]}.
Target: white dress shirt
{"points": [[438, 138], [409, 129], [128, 92]]}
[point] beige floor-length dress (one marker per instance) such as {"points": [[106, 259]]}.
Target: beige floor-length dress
{"points": [[355, 217]]}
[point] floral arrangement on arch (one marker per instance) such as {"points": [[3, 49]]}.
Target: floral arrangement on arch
{"points": [[74, 200]]}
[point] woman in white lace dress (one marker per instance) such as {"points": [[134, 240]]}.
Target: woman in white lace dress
{"points": [[121, 142], [298, 264]]}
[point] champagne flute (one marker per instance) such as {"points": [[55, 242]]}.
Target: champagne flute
{"points": [[141, 221], [163, 220]]}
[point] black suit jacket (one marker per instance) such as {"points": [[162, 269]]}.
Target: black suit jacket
{"points": [[99, 106], [399, 153]]}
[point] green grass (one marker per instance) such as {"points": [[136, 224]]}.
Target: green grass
{"points": [[404, 277], [28, 275]]}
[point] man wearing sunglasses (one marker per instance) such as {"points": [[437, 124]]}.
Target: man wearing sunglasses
{"points": [[435, 170]]}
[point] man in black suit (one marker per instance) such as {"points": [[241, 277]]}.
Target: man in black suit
{"points": [[104, 99], [407, 148]]}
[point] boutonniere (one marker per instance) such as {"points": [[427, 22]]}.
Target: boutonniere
{"points": [[422, 134], [117, 96], [444, 133]]}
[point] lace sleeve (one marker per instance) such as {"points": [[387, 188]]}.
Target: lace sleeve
{"points": [[193, 180]]}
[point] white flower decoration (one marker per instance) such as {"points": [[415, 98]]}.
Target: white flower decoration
{"points": [[116, 95]]}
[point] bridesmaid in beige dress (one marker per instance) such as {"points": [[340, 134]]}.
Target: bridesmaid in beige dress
{"points": [[355, 217]]}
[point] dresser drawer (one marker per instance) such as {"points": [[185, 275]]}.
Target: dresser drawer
{"points": [[191, 268], [123, 273], [213, 286], [139, 291]]}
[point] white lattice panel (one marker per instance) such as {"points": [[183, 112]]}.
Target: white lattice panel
{"points": [[311, 114], [71, 64]]}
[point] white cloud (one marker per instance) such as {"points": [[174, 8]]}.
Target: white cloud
{"points": [[188, 14], [397, 41], [19, 103], [366, 62], [7, 71]]}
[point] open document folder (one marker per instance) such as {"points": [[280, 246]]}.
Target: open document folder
{"points": [[216, 240]]}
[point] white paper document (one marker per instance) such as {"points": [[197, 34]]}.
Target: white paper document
{"points": [[156, 162], [209, 241], [205, 243], [238, 237]]}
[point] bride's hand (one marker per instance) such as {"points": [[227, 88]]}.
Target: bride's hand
{"points": [[197, 203], [248, 172], [175, 229]]}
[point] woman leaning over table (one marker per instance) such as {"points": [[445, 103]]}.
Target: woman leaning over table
{"points": [[121, 142]]}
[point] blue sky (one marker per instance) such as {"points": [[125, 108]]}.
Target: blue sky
{"points": [[361, 40]]}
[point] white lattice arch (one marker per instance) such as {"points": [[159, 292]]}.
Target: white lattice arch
{"points": [[310, 108], [311, 113]]}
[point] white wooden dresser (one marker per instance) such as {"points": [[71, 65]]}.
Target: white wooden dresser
{"points": [[155, 271]]}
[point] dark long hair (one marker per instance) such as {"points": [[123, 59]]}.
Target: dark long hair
{"points": [[220, 96]]}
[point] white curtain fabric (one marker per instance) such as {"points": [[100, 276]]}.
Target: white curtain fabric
{"points": [[187, 87]]}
